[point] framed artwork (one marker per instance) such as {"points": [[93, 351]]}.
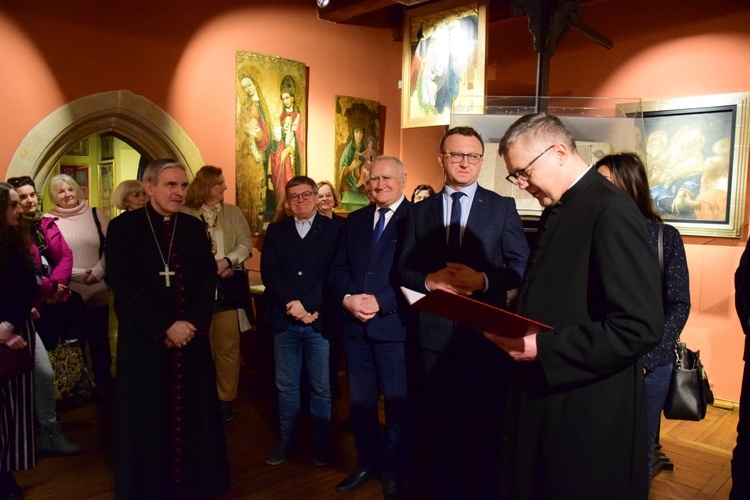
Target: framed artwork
{"points": [[443, 58], [106, 187], [80, 174], [270, 132], [358, 142], [79, 149], [107, 147], [696, 150]]}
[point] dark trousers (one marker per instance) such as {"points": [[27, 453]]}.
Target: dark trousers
{"points": [[375, 365], [741, 454], [464, 395], [95, 334]]}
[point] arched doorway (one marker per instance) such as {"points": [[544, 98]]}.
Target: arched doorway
{"points": [[132, 118]]}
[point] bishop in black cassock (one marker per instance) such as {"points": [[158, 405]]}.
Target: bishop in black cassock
{"points": [[169, 436]]}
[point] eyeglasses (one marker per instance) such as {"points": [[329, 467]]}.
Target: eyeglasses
{"points": [[523, 173], [300, 196], [473, 158]]}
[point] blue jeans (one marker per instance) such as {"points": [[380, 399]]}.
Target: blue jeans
{"points": [[657, 386], [289, 347]]}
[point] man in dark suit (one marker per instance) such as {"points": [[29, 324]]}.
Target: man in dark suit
{"points": [[466, 240], [577, 424], [364, 281], [741, 453], [296, 256]]}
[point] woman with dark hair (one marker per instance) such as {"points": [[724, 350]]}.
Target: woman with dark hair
{"points": [[84, 229], [626, 171], [17, 292], [231, 245], [56, 264], [422, 192]]}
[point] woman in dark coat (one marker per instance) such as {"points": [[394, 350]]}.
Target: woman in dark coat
{"points": [[17, 291]]}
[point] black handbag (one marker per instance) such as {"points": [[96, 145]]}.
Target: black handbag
{"points": [[233, 292], [689, 391], [14, 362]]}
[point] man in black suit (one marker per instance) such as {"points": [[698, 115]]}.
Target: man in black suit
{"points": [[467, 240], [364, 281], [741, 453], [296, 256]]}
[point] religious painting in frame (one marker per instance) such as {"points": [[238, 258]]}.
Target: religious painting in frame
{"points": [[696, 150], [270, 132], [80, 174], [357, 143], [443, 58], [79, 148], [106, 187]]}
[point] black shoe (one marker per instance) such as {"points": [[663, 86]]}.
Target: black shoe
{"points": [[355, 481], [393, 489], [227, 411], [9, 490]]}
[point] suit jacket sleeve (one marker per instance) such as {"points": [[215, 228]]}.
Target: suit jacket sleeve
{"points": [[515, 250], [742, 290], [411, 276]]}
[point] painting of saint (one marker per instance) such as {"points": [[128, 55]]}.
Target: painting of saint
{"points": [[445, 60], [270, 124], [357, 144]]}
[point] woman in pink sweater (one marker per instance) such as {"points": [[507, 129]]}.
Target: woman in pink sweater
{"points": [[85, 229]]}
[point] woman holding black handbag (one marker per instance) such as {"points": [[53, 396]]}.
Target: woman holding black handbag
{"points": [[17, 291], [229, 233], [84, 229], [626, 171]]}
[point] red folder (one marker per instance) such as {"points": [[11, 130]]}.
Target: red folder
{"points": [[474, 314]]}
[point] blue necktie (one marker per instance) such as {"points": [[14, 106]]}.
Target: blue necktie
{"points": [[454, 229], [380, 226]]}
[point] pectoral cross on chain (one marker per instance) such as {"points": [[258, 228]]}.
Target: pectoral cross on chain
{"points": [[166, 273]]}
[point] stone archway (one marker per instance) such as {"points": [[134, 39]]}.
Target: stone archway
{"points": [[130, 117]]}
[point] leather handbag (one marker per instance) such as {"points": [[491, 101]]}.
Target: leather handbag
{"points": [[689, 391], [14, 362], [233, 292]]}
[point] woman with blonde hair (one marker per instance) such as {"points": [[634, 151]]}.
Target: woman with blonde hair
{"points": [[84, 229], [130, 195], [328, 199], [231, 245]]}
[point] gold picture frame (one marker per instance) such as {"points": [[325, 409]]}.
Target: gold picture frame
{"points": [[107, 187], [444, 51], [696, 152]]}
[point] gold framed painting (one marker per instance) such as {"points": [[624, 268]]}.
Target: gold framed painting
{"points": [[444, 52], [696, 151], [358, 142], [270, 132], [106, 187]]}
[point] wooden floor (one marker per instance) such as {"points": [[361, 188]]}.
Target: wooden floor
{"points": [[700, 451]]}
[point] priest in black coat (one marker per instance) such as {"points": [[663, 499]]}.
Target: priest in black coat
{"points": [[576, 426], [169, 436]]}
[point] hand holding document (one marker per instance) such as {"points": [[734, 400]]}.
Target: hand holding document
{"points": [[473, 313]]}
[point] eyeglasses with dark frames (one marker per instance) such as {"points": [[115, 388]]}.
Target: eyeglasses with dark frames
{"points": [[522, 174], [473, 158], [300, 196]]}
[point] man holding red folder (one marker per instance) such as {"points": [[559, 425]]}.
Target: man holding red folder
{"points": [[466, 240], [577, 424]]}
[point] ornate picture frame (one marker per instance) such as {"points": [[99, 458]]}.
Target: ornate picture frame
{"points": [[444, 51], [696, 152]]}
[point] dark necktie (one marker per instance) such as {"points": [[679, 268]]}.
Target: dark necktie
{"points": [[380, 226], [454, 229]]}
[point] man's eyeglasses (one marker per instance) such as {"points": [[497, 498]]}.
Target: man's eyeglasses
{"points": [[473, 158], [523, 173], [300, 196]]}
